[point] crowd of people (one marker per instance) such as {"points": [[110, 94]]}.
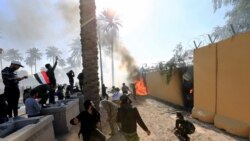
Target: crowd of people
{"points": [[123, 116], [34, 98]]}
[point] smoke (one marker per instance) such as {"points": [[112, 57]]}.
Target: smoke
{"points": [[31, 21], [127, 61], [70, 12]]}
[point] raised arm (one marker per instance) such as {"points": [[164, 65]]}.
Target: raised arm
{"points": [[54, 66], [140, 121]]}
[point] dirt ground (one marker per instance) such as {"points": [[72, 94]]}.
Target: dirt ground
{"points": [[160, 119]]}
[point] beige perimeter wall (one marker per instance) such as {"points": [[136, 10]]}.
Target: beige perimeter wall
{"points": [[205, 84], [158, 87], [222, 85]]}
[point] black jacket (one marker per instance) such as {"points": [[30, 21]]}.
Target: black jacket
{"points": [[51, 75], [9, 77], [88, 121], [71, 76]]}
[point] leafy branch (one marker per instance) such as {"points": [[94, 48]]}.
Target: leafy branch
{"points": [[177, 62]]}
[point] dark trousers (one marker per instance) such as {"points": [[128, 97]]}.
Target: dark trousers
{"points": [[52, 93], [105, 95], [71, 83], [95, 135], [81, 86], [13, 95], [44, 99], [52, 96]]}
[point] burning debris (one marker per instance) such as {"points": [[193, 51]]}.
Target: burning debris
{"points": [[136, 75], [140, 87]]}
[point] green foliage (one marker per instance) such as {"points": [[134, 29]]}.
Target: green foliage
{"points": [[167, 70], [176, 62], [238, 16]]}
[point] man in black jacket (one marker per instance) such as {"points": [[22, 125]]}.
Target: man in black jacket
{"points": [[11, 90], [89, 119], [71, 76], [127, 117], [80, 77], [52, 79]]}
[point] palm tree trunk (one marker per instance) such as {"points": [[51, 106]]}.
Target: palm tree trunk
{"points": [[89, 51]]}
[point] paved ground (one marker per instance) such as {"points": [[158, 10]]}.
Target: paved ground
{"points": [[160, 119]]}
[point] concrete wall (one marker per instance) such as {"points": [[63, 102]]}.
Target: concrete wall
{"points": [[205, 84], [41, 131], [63, 115], [158, 87], [229, 100]]}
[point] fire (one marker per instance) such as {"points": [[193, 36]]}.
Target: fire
{"points": [[140, 87]]}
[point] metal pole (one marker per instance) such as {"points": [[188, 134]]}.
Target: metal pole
{"points": [[195, 45], [210, 38], [232, 27]]}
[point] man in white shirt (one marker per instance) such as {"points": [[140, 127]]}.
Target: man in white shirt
{"points": [[116, 96]]}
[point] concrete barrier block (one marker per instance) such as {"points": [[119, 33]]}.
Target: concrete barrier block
{"points": [[62, 115], [32, 129], [203, 115], [232, 126]]}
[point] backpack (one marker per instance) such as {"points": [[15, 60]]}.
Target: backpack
{"points": [[190, 127]]}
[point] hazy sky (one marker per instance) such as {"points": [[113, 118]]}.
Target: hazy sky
{"points": [[154, 27], [151, 28]]}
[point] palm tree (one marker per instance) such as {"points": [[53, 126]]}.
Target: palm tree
{"points": [[61, 63], [52, 52], [13, 54], [75, 58], [110, 24], [30, 62], [35, 54], [89, 50]]}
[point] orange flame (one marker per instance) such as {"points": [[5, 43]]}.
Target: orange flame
{"points": [[140, 87]]}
